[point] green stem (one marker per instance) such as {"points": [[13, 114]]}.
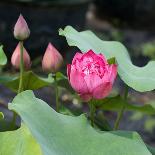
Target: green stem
{"points": [[56, 94], [20, 88], [92, 112], [120, 114]]}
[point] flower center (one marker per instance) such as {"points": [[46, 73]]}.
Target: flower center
{"points": [[93, 67]]}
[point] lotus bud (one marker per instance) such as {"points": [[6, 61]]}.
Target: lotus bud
{"points": [[52, 59], [91, 76], [15, 59], [21, 30]]}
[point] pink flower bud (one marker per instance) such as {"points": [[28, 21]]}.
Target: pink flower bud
{"points": [[21, 30], [91, 76], [15, 59], [52, 59]]}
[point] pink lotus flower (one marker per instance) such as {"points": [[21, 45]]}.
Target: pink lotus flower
{"points": [[21, 30], [52, 59], [15, 59], [91, 76]]}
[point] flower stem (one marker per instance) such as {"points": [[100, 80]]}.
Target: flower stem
{"points": [[20, 88], [92, 112], [120, 114], [56, 94]]}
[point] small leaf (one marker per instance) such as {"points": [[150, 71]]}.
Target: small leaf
{"points": [[111, 61], [1, 116], [3, 58]]}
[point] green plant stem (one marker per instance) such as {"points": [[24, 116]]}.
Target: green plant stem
{"points": [[120, 114], [20, 88], [56, 94], [92, 112]]}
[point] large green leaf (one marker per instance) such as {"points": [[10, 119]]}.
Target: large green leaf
{"points": [[31, 81], [19, 142], [3, 58], [139, 78], [60, 134], [116, 103]]}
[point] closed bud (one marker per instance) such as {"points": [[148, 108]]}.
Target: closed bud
{"points": [[21, 30], [91, 76], [52, 59], [15, 59]]}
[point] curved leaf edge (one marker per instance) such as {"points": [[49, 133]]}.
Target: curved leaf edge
{"points": [[80, 120], [125, 65]]}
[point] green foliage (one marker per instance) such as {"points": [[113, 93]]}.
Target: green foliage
{"points": [[116, 103], [101, 121], [148, 49], [63, 82], [151, 149], [34, 82], [31, 81], [136, 116], [149, 124], [59, 134], [139, 78], [149, 121], [112, 60], [5, 125], [18, 142], [1, 115], [3, 58]]}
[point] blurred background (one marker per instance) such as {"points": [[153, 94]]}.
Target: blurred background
{"points": [[131, 22]]}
